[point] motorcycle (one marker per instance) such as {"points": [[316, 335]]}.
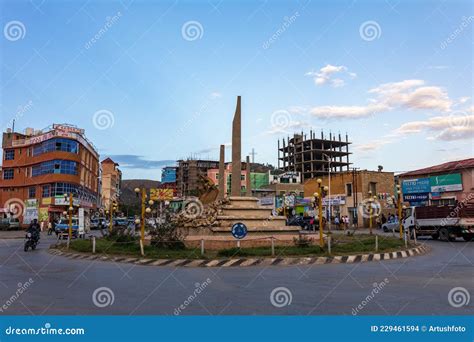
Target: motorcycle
{"points": [[31, 240]]}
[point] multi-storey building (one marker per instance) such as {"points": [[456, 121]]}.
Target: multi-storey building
{"points": [[351, 191], [315, 155], [111, 177], [40, 167], [188, 175], [257, 179], [445, 184]]}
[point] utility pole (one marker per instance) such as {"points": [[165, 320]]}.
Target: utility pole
{"points": [[253, 153]]}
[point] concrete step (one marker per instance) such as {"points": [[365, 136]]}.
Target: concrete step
{"points": [[246, 211], [249, 221], [243, 201], [226, 231]]}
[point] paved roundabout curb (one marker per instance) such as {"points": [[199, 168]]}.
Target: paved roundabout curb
{"points": [[245, 262]]}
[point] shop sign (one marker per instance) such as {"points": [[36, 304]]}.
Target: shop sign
{"points": [[415, 197], [46, 201], [31, 203], [68, 129], [444, 183], [60, 200], [30, 214], [416, 186], [336, 200], [266, 200]]}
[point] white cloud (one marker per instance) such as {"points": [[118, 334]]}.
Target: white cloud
{"points": [[412, 94], [407, 94], [372, 145], [215, 95], [326, 73], [447, 128], [288, 128], [347, 112]]}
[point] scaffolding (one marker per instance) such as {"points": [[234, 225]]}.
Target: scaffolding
{"points": [[315, 156]]}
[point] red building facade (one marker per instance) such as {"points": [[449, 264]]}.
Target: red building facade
{"points": [[39, 167]]}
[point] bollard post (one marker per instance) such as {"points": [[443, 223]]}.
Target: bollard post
{"points": [[376, 243], [93, 244], [142, 248], [329, 244], [68, 240], [406, 240], [273, 246], [414, 235], [202, 247]]}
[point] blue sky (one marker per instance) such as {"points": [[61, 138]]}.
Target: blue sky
{"points": [[159, 81]]}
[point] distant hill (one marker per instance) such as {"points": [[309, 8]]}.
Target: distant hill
{"points": [[128, 196]]}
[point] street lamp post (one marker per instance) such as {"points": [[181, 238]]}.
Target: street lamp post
{"points": [[143, 210], [70, 209], [399, 203], [113, 208], [318, 198]]}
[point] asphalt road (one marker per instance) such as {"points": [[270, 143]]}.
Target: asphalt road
{"points": [[413, 286]]}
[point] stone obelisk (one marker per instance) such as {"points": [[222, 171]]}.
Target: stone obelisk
{"points": [[222, 179], [248, 186], [236, 150]]}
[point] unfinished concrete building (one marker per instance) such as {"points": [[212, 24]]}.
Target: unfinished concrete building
{"points": [[314, 156]]}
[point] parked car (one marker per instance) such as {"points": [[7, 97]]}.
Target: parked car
{"points": [[95, 222], [10, 223], [120, 221], [62, 228], [305, 222], [391, 226]]}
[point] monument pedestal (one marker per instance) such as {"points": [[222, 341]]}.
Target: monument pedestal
{"points": [[258, 219]]}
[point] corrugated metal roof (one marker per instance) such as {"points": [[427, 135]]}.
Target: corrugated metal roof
{"points": [[446, 167]]}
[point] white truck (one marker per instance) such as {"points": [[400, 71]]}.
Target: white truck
{"points": [[444, 222]]}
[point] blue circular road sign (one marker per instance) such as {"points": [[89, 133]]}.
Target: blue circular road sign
{"points": [[239, 230]]}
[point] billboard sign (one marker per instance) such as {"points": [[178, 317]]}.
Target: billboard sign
{"points": [[416, 197], [444, 183], [416, 186], [161, 194]]}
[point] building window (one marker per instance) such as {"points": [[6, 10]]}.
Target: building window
{"points": [[242, 177], [9, 154], [55, 166], [349, 189], [373, 188], [57, 144], [32, 192], [444, 201], [45, 191], [8, 174]]}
